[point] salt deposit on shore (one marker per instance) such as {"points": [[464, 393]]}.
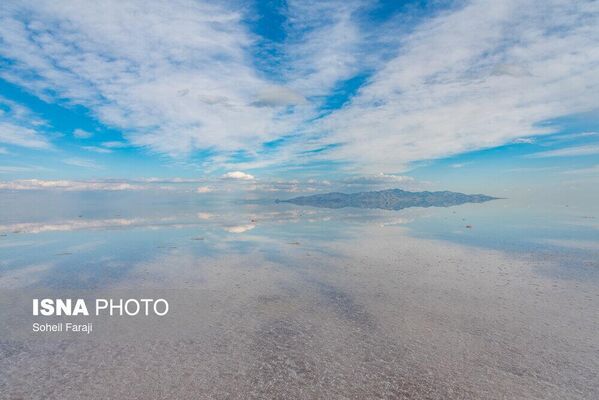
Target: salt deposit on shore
{"points": [[377, 315]]}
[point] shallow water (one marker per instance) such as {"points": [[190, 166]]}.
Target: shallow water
{"points": [[493, 300]]}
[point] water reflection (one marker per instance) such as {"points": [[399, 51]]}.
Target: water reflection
{"points": [[86, 242], [480, 300]]}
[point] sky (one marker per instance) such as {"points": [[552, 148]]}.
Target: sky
{"points": [[498, 97]]}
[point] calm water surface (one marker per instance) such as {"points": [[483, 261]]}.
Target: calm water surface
{"points": [[494, 300]]}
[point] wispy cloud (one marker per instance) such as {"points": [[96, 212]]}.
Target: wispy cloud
{"points": [[593, 170], [274, 96], [4, 169], [478, 76], [114, 145], [532, 169], [458, 165], [573, 136], [82, 162], [174, 74], [19, 126], [97, 149], [222, 185], [523, 141], [18, 135], [82, 134], [378, 179], [179, 76], [35, 184], [323, 45], [575, 151]]}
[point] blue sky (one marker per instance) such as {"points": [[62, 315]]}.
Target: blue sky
{"points": [[299, 95]]}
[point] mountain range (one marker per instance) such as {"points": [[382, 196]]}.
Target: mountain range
{"points": [[391, 199]]}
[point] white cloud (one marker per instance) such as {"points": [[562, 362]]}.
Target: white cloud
{"points": [[168, 184], [277, 96], [568, 152], [176, 75], [7, 169], [323, 45], [171, 180], [475, 77], [114, 145], [35, 184], [81, 162], [264, 188], [593, 170], [572, 136], [532, 169], [19, 127], [378, 179], [204, 189], [97, 149], [4, 169], [82, 134], [18, 135], [523, 140], [239, 175]]}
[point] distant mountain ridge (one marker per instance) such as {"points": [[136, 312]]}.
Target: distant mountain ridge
{"points": [[391, 199]]}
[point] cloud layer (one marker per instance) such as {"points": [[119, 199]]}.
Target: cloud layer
{"points": [[183, 76], [175, 75], [475, 77], [18, 126]]}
